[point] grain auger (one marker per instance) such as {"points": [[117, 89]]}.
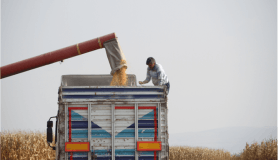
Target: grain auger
{"points": [[109, 42]]}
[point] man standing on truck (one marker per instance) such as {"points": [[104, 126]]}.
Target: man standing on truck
{"points": [[156, 73]]}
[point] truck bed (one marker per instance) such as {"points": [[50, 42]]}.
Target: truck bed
{"points": [[113, 121]]}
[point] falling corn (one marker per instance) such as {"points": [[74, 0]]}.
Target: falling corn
{"points": [[119, 77]]}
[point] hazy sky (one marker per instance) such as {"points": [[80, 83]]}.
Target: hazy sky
{"points": [[220, 56]]}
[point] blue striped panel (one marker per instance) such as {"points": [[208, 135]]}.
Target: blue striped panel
{"points": [[102, 152], [79, 155], [112, 96], [146, 133], [100, 134], [148, 153], [83, 124], [105, 154], [112, 90], [132, 158], [118, 152], [78, 133], [126, 133], [117, 158], [77, 117], [121, 152], [78, 158], [150, 115], [79, 124], [131, 133], [104, 158], [104, 134], [144, 124]]}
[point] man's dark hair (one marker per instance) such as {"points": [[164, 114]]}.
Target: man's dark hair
{"points": [[150, 60]]}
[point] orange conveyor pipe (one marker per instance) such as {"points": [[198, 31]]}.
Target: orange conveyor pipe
{"points": [[54, 56]]}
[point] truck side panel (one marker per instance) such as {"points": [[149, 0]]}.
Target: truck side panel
{"points": [[113, 127], [61, 133]]}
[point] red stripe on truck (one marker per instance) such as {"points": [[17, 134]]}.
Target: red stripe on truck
{"points": [[69, 110]]}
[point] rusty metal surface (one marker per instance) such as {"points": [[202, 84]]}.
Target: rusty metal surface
{"points": [[61, 133], [165, 151]]}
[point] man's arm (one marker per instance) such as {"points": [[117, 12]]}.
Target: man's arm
{"points": [[148, 78]]}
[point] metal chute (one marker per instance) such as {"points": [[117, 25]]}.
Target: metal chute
{"points": [[115, 55]]}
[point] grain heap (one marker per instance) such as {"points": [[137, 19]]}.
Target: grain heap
{"points": [[119, 77]]}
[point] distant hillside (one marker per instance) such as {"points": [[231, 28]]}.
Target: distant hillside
{"points": [[232, 139]]}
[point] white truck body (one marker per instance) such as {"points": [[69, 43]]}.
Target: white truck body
{"points": [[116, 123]]}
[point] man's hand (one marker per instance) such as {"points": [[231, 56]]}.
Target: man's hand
{"points": [[141, 82]]}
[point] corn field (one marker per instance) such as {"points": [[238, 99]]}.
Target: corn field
{"points": [[23, 145], [264, 151]]}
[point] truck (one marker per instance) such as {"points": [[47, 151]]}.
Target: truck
{"points": [[96, 121]]}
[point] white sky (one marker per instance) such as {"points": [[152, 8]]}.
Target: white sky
{"points": [[220, 56]]}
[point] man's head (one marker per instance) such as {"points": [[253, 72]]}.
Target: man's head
{"points": [[150, 62]]}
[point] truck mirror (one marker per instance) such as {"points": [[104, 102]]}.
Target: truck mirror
{"points": [[49, 131], [49, 124]]}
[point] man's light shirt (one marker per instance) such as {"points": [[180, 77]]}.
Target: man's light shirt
{"points": [[157, 75]]}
